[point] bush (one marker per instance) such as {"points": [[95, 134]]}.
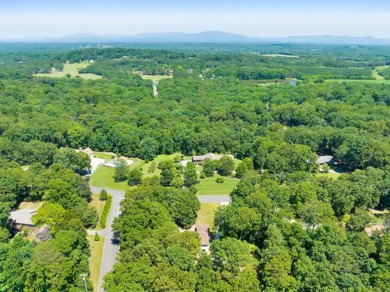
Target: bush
{"points": [[103, 195], [220, 180], [97, 237], [106, 211], [202, 175]]}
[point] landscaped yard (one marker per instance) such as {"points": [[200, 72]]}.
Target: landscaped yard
{"points": [[159, 158], [378, 81], [156, 78], [332, 175], [99, 205], [208, 186], [72, 69], [95, 260], [30, 205], [104, 177], [206, 214]]}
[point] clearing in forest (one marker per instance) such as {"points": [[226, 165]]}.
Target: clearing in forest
{"points": [[72, 69]]}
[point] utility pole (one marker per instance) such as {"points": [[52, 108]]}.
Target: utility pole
{"points": [[84, 277]]}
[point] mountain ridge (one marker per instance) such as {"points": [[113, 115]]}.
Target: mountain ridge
{"points": [[207, 37]]}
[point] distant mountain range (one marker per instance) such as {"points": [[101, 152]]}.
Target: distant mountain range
{"points": [[208, 37]]}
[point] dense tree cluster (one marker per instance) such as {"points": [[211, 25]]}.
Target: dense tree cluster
{"points": [[296, 227], [286, 228]]}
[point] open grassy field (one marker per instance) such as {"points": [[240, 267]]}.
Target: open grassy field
{"points": [[156, 78], [103, 155], [328, 175], [376, 71], [208, 186], [280, 55], [30, 205], [359, 81], [159, 158], [98, 205], [104, 177], [72, 69], [95, 260], [206, 214]]}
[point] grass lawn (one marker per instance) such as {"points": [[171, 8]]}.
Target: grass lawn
{"points": [[156, 78], [104, 177], [359, 81], [99, 205], [206, 214], [95, 260], [72, 69], [30, 205], [159, 158], [328, 175], [279, 55], [208, 186], [104, 155]]}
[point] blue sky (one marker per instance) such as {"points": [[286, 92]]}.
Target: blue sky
{"points": [[40, 18]]}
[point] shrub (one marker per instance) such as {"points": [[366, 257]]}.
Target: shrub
{"points": [[97, 237], [220, 180], [106, 211], [103, 195]]}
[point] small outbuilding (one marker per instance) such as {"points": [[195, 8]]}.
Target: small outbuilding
{"points": [[204, 234]]}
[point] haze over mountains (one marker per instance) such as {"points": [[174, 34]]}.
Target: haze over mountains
{"points": [[207, 37]]}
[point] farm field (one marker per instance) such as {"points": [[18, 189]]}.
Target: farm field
{"points": [[73, 70]]}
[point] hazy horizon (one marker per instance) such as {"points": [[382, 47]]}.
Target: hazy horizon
{"points": [[44, 18]]}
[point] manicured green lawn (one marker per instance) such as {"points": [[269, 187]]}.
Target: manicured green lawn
{"points": [[156, 78], [359, 81], [103, 155], [159, 158], [328, 175], [72, 69], [206, 214], [98, 205], [208, 186], [95, 261], [104, 177]]}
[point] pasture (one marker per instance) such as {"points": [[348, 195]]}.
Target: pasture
{"points": [[73, 70]]}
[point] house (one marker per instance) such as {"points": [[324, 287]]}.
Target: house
{"points": [[20, 218], [87, 151], [203, 231], [212, 156]]}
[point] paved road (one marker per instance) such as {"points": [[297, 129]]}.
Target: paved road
{"points": [[110, 250]]}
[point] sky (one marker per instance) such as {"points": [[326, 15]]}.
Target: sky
{"points": [[51, 18]]}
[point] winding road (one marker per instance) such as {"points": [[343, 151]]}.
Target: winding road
{"points": [[110, 249]]}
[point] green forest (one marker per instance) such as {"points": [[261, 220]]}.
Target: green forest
{"points": [[293, 224]]}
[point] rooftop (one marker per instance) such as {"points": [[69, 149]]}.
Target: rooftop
{"points": [[22, 217], [324, 159]]}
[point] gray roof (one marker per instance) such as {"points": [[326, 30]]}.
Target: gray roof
{"points": [[324, 159], [203, 231], [212, 156], [22, 217]]}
